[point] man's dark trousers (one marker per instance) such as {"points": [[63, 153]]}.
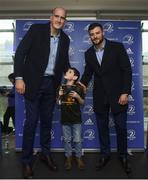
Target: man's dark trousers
{"points": [[120, 120], [41, 108]]}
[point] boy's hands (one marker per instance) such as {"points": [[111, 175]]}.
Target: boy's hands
{"points": [[61, 91], [74, 94]]}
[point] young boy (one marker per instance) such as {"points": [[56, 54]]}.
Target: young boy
{"points": [[71, 96]]}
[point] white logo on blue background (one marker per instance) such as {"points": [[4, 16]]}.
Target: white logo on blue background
{"points": [[111, 122], [71, 51], [20, 134], [86, 39], [86, 27], [129, 51], [89, 134], [71, 40], [131, 134], [128, 39], [69, 27], [24, 121], [90, 86], [133, 86], [131, 109], [88, 109], [130, 98], [132, 61], [89, 122], [27, 26], [55, 121], [108, 27], [52, 134]]}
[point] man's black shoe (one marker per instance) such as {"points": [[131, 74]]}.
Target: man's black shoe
{"points": [[48, 161], [126, 165], [27, 171], [102, 162]]}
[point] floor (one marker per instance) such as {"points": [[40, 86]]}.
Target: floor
{"points": [[10, 167]]}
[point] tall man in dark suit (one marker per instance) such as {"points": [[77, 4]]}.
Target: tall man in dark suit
{"points": [[40, 60], [110, 65]]}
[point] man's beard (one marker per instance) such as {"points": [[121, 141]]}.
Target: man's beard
{"points": [[98, 43]]}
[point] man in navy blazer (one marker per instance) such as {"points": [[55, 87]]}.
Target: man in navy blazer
{"points": [[40, 60], [110, 65]]}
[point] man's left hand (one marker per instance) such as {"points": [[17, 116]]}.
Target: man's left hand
{"points": [[123, 100]]}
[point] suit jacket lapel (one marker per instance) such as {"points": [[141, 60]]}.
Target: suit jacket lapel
{"points": [[46, 40], [106, 55], [61, 44], [94, 57]]}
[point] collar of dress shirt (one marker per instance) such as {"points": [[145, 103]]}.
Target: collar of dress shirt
{"points": [[55, 36]]}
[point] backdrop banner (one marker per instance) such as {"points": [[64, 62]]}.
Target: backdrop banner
{"points": [[127, 32]]}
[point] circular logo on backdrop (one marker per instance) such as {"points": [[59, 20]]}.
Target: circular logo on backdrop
{"points": [[69, 27], [131, 109], [90, 86], [86, 27], [52, 134], [128, 39], [132, 61], [88, 109], [131, 134], [71, 50], [133, 86], [86, 39], [27, 26], [108, 27], [89, 134], [130, 98]]}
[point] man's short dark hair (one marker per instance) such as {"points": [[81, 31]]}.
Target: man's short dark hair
{"points": [[94, 25]]}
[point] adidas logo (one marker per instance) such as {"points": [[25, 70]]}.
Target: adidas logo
{"points": [[89, 122]]}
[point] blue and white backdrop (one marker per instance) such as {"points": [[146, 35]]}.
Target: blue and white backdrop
{"points": [[127, 32]]}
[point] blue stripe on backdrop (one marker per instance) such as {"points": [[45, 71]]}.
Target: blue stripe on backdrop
{"points": [[127, 32]]}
